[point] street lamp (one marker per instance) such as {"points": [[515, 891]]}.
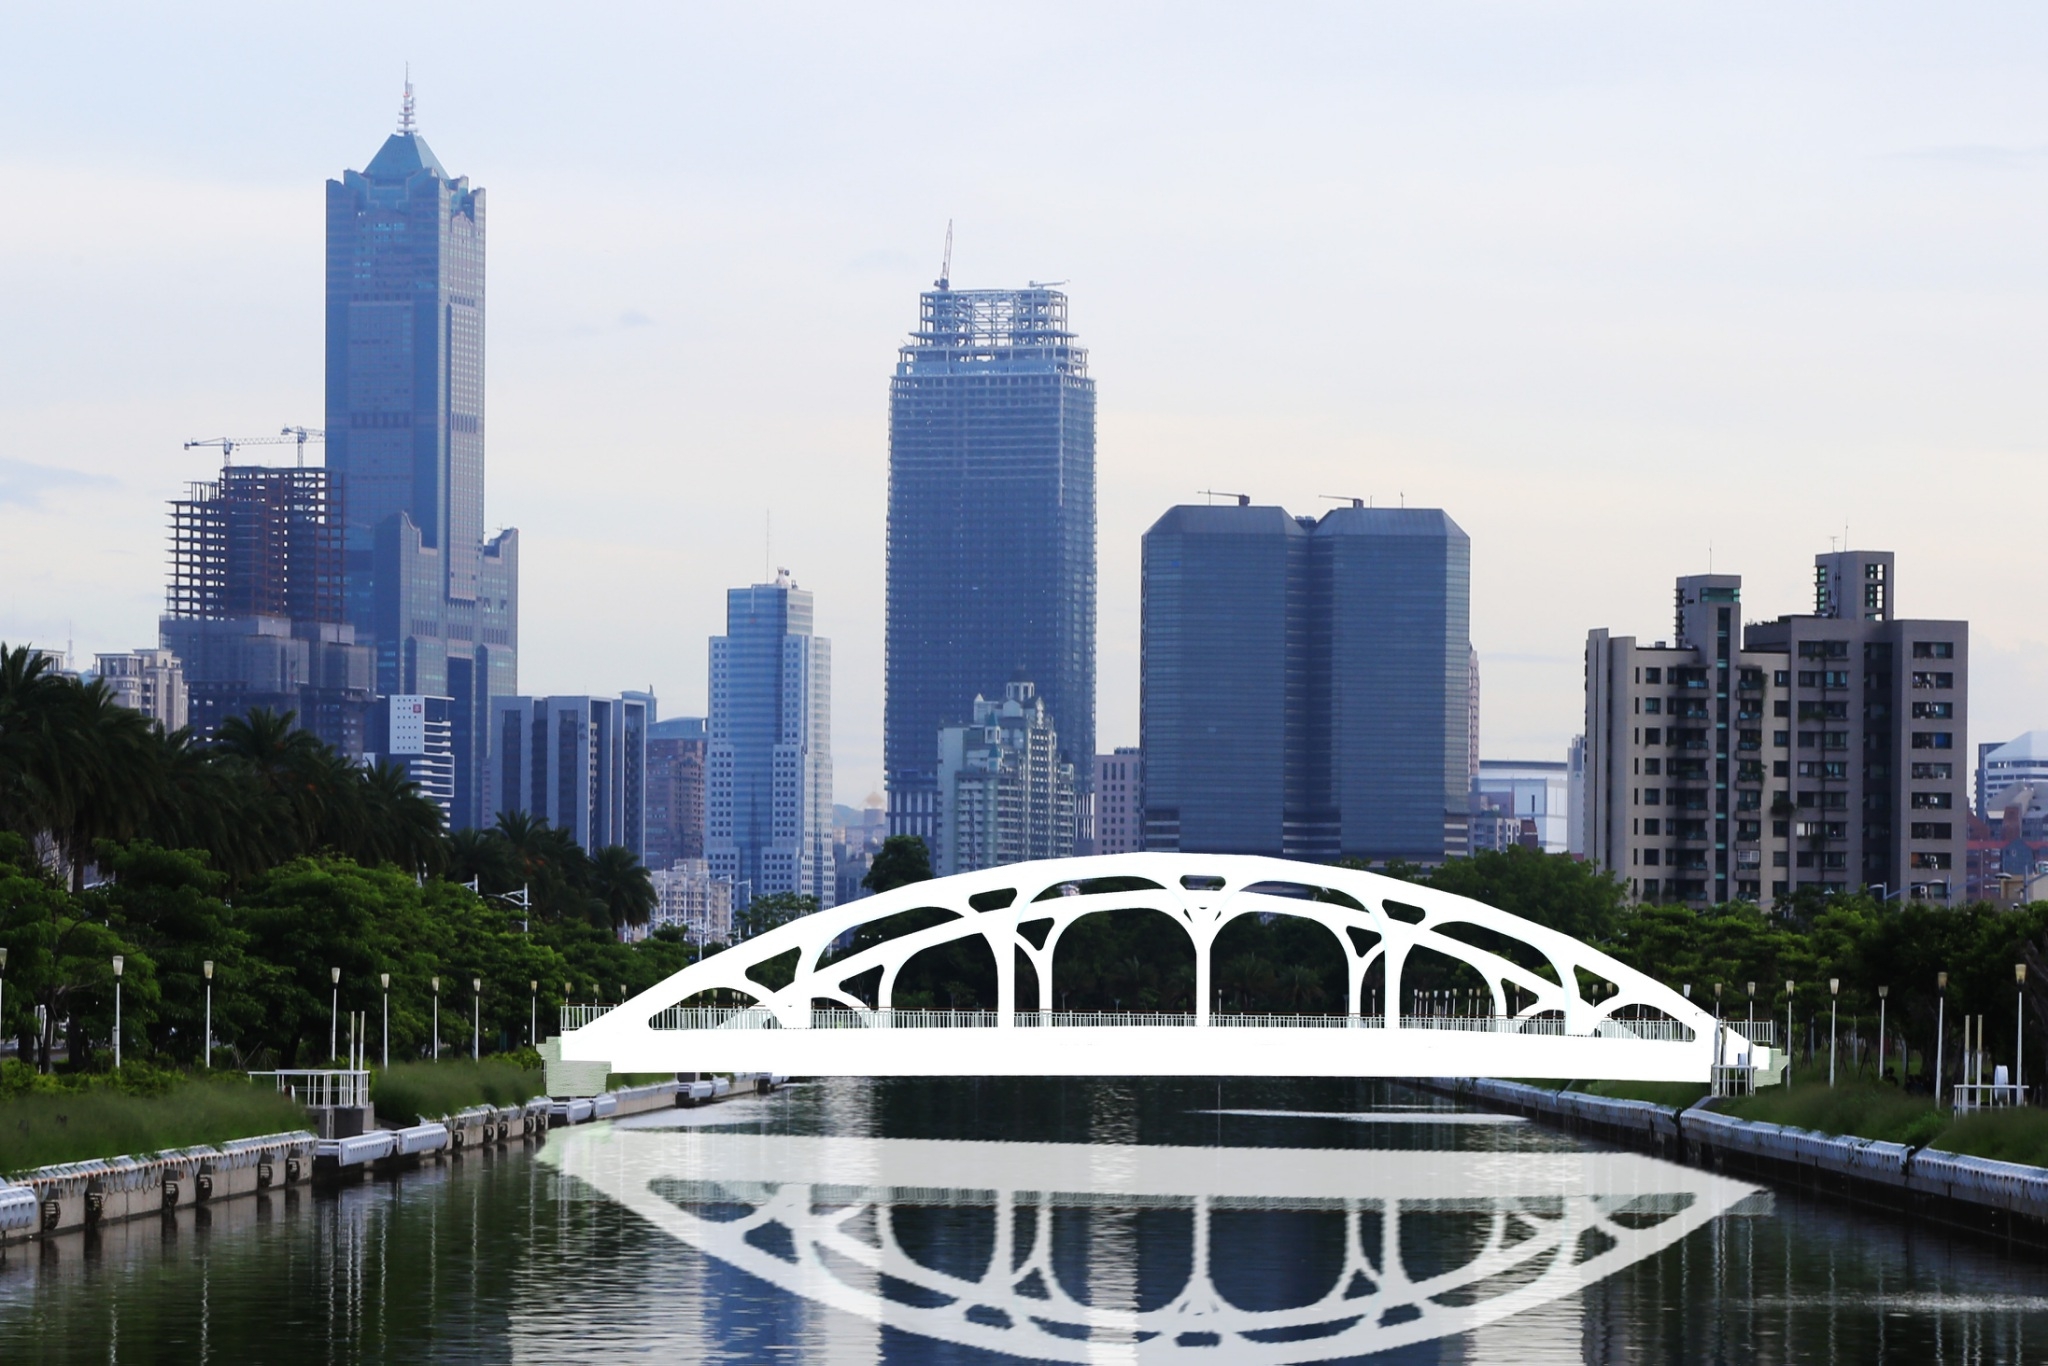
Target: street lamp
{"points": [[119, 963], [437, 1019], [334, 1015], [476, 1039], [1940, 1031], [1750, 1018], [1882, 993], [1788, 1033], [207, 968], [2019, 1031], [384, 979], [533, 1013], [1834, 1001]]}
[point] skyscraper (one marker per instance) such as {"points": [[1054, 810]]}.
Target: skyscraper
{"points": [[675, 790], [991, 529], [1305, 683], [405, 439], [768, 787], [578, 762]]}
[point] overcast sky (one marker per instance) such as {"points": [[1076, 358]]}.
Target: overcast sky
{"points": [[1619, 286]]}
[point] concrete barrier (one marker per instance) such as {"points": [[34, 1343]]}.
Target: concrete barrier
{"points": [[20, 1211], [420, 1138], [331, 1155]]}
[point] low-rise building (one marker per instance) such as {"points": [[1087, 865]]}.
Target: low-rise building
{"points": [[149, 681]]}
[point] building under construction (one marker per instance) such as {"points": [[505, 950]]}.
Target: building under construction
{"points": [[255, 606]]}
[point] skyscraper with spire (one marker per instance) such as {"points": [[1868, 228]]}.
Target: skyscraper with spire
{"points": [[405, 439], [991, 529]]}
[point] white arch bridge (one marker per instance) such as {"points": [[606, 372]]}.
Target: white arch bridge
{"points": [[1549, 1006]]}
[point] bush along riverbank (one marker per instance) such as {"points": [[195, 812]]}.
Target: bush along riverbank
{"points": [[1957, 1170], [406, 1093], [138, 1109]]}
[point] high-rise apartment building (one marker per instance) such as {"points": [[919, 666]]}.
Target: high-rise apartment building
{"points": [[149, 681], [676, 751], [1120, 801], [417, 734], [405, 440], [991, 528], [768, 779], [578, 762], [254, 612], [1305, 683], [1005, 794], [689, 897], [1522, 802], [1753, 760]]}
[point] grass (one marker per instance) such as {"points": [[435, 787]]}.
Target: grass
{"points": [[408, 1090], [43, 1125], [1674, 1094], [2019, 1135], [1866, 1109]]}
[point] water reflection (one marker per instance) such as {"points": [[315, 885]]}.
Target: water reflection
{"points": [[1071, 1251]]}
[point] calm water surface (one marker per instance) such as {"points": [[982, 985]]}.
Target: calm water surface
{"points": [[999, 1221]]}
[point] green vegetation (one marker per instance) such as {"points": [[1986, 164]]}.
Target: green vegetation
{"points": [[2004, 1135], [1866, 1109], [406, 1092], [137, 1110], [1676, 1095]]}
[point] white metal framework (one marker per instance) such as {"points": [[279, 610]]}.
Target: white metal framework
{"points": [[1558, 1008], [815, 1216]]}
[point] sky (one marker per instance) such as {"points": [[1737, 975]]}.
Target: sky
{"points": [[1628, 290]]}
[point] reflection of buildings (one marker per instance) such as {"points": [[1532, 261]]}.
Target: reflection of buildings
{"points": [[1749, 760], [1306, 683], [1005, 794], [675, 790], [580, 763], [768, 777], [255, 612], [1522, 802], [690, 897], [405, 441], [149, 681]]}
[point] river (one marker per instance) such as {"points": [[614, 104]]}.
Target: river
{"points": [[1002, 1220]]}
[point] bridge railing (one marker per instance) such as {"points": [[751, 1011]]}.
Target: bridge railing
{"points": [[759, 1017]]}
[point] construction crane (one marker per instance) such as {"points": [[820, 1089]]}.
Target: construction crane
{"points": [[297, 436]]}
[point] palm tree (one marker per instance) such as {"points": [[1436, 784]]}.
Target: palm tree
{"points": [[622, 887]]}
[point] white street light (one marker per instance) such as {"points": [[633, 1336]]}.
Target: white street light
{"points": [[1940, 1032], [1834, 1000], [385, 979], [1788, 1032], [207, 968], [533, 1013], [334, 1015], [1882, 994], [437, 1019], [476, 1040], [2019, 1030], [119, 963]]}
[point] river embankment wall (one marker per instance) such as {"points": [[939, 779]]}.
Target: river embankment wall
{"points": [[2007, 1200]]}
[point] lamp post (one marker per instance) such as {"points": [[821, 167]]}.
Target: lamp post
{"points": [[207, 968], [1788, 1032], [1834, 1002], [476, 1039], [384, 1035], [533, 1013], [1750, 1018], [1882, 993], [119, 963], [2019, 1034], [334, 1015], [437, 1019], [1940, 1031]]}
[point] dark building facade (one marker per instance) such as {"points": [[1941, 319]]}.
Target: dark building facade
{"points": [[1305, 683], [405, 440], [991, 529], [676, 751], [254, 609]]}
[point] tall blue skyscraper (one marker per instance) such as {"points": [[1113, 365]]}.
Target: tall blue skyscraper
{"points": [[991, 529], [405, 440], [768, 779], [1305, 684]]}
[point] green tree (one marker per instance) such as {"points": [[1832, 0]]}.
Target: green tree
{"points": [[902, 860], [623, 888], [765, 913]]}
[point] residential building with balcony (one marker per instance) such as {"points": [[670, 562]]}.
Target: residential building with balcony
{"points": [[1749, 761]]}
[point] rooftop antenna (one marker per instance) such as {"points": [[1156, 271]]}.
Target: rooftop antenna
{"points": [[1342, 498], [405, 119], [1244, 500], [945, 280]]}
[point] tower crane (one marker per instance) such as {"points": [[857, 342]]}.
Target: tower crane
{"points": [[297, 436]]}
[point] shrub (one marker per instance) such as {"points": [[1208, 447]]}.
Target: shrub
{"points": [[406, 1091]]}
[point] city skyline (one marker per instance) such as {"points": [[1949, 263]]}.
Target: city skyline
{"points": [[1552, 433]]}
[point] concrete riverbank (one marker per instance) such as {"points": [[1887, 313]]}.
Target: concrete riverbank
{"points": [[77, 1199], [2005, 1200]]}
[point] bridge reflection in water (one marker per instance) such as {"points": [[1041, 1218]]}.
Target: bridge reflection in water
{"points": [[845, 1222]]}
